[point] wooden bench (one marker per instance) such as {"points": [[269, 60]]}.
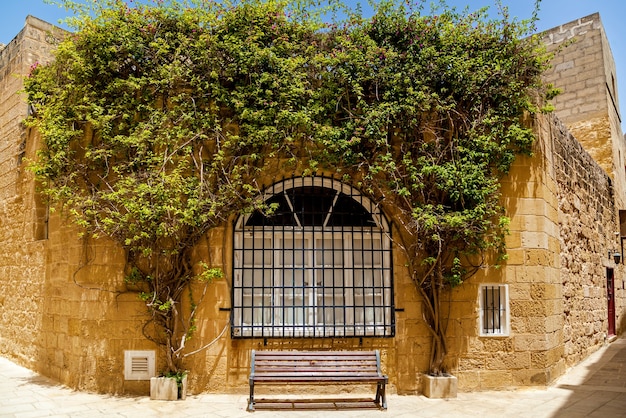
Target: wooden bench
{"points": [[317, 368]]}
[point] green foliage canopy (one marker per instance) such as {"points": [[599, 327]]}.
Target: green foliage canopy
{"points": [[158, 120]]}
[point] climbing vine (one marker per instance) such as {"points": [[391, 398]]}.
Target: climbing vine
{"points": [[158, 119]]}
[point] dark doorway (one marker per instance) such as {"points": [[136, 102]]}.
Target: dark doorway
{"points": [[610, 295]]}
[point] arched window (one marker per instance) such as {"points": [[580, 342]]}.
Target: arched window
{"points": [[318, 266]]}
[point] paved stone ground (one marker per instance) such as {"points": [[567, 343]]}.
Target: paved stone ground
{"points": [[594, 388]]}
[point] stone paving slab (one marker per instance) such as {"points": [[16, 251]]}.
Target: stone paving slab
{"points": [[594, 388]]}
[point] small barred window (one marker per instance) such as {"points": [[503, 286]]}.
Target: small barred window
{"points": [[494, 310]]}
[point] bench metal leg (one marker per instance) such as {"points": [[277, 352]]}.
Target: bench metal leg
{"points": [[381, 398], [251, 400]]}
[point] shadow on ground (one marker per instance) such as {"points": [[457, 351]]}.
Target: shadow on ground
{"points": [[602, 391]]}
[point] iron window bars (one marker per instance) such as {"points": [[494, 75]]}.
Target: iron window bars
{"points": [[318, 265], [494, 313]]}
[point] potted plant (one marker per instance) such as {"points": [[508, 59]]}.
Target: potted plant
{"points": [[169, 386]]}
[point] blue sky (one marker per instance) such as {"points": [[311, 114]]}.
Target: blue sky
{"points": [[552, 13]]}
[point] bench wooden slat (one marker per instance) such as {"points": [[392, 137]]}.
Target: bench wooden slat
{"points": [[313, 354], [313, 372], [316, 358], [321, 366], [291, 374], [323, 355], [313, 379], [317, 367]]}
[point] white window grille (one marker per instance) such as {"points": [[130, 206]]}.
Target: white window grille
{"points": [[317, 266], [494, 310]]}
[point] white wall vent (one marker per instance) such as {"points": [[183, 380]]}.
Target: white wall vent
{"points": [[139, 365]]}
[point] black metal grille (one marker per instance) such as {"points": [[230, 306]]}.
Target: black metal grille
{"points": [[493, 309], [319, 265]]}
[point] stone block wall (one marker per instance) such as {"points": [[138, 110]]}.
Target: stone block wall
{"points": [[584, 69], [88, 317], [87, 321], [22, 216], [60, 313], [66, 312], [578, 68], [531, 355], [588, 233]]}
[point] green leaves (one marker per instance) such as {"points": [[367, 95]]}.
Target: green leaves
{"points": [[429, 110], [158, 118]]}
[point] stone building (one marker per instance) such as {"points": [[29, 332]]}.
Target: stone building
{"points": [[588, 106], [65, 311]]}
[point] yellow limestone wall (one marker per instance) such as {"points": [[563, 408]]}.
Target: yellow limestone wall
{"points": [[87, 324], [65, 312], [588, 233], [22, 232], [531, 355], [584, 70]]}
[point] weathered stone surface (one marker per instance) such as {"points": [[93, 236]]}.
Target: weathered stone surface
{"points": [[66, 318]]}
